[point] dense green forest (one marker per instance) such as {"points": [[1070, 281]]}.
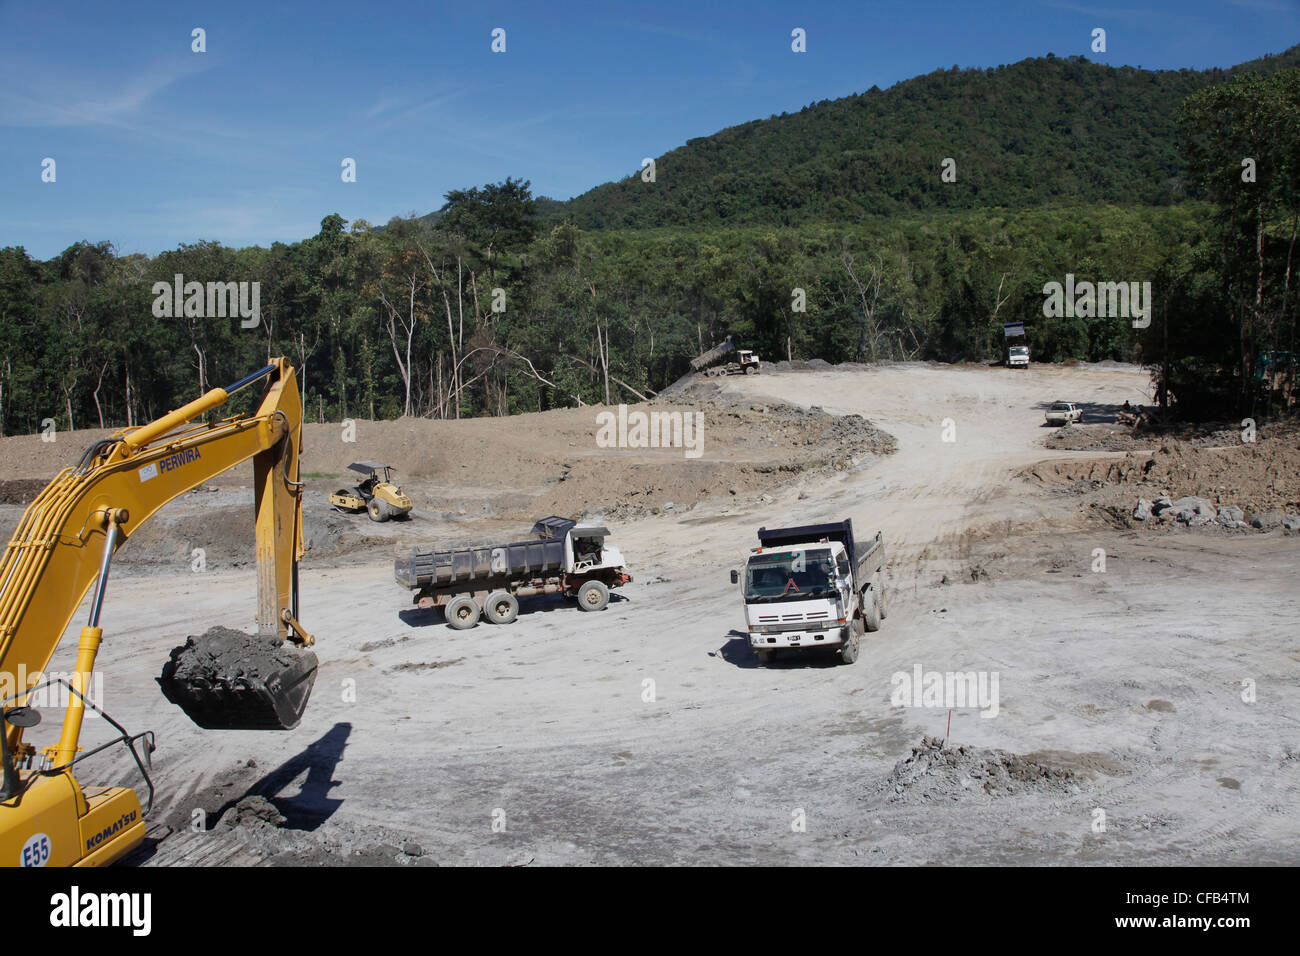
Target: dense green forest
{"points": [[401, 322], [493, 307], [1046, 130]]}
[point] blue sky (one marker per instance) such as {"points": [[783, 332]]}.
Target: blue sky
{"points": [[157, 145]]}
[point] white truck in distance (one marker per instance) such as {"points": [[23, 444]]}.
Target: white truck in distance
{"points": [[813, 586], [1018, 356]]}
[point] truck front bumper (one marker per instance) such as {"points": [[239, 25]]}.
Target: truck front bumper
{"points": [[837, 634]]}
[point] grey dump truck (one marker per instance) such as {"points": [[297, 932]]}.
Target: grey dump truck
{"points": [[813, 586], [487, 581]]}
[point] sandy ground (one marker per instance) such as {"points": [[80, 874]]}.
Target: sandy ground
{"points": [[647, 734]]}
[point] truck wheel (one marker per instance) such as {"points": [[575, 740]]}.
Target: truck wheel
{"points": [[461, 612], [378, 509], [765, 657], [883, 613], [593, 596], [872, 616], [501, 607], [749, 370]]}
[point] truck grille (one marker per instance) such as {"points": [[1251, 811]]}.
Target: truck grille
{"points": [[795, 618]]}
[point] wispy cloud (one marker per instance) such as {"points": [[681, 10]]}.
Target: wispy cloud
{"points": [[32, 97], [392, 110], [1118, 13], [247, 216]]}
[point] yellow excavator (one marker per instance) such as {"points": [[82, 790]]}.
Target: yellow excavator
{"points": [[65, 543]]}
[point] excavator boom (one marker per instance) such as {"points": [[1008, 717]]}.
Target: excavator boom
{"points": [[65, 543]]}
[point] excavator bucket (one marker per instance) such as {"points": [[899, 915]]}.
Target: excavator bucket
{"points": [[229, 680]]}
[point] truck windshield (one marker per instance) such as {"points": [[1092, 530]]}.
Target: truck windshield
{"points": [[789, 576]]}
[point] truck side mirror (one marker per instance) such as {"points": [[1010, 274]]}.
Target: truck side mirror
{"points": [[735, 576]]}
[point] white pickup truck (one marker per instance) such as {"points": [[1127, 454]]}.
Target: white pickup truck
{"points": [[1064, 413], [813, 586]]}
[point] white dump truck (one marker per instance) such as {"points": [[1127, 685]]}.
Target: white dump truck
{"points": [[813, 586], [487, 581], [1016, 344]]}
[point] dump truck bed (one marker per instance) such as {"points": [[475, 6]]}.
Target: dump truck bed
{"points": [[456, 565], [539, 556], [712, 355], [868, 557]]}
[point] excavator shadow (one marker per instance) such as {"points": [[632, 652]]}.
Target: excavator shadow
{"points": [[170, 840], [311, 805]]}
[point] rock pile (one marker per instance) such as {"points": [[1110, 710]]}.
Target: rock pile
{"points": [[1194, 512]]}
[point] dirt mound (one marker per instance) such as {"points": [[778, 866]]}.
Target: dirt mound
{"points": [[1117, 437], [31, 456], [749, 447], [224, 654], [935, 773], [515, 469], [20, 491], [1258, 477], [253, 811]]}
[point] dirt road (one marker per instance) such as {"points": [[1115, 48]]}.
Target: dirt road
{"points": [[648, 734]]}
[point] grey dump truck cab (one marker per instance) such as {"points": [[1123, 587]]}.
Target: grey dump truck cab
{"points": [[813, 586], [487, 581]]}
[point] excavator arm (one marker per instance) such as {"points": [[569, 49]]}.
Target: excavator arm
{"points": [[65, 543]]}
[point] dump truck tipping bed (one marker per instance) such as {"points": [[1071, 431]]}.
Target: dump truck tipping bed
{"points": [[712, 355]]}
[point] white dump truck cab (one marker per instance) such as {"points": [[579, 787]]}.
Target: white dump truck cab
{"points": [[586, 549], [1018, 356], [812, 586]]}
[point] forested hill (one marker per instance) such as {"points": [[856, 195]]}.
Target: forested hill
{"points": [[1040, 131]]}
